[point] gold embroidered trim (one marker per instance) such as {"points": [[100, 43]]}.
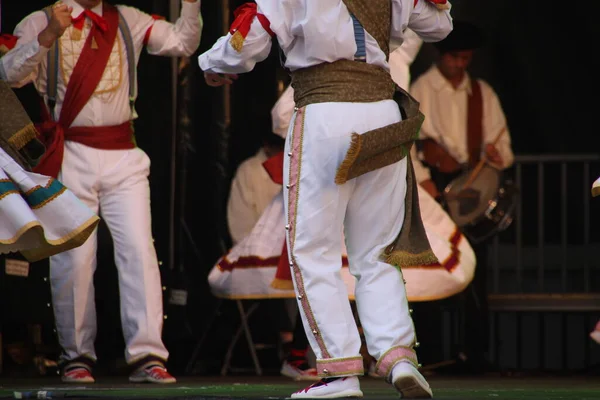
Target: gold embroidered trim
{"points": [[413, 361], [49, 199], [70, 241], [292, 238], [237, 41], [401, 258], [3, 195], [112, 83], [341, 175], [337, 360], [23, 136], [50, 247]]}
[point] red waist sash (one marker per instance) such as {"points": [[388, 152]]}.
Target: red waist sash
{"points": [[117, 137]]}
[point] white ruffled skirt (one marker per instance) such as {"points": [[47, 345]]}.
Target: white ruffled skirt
{"points": [[39, 217]]}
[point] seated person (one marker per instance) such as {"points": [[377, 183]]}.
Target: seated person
{"points": [[252, 190]]}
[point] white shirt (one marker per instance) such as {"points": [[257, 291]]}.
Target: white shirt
{"points": [[109, 105], [445, 110], [252, 189], [314, 32]]}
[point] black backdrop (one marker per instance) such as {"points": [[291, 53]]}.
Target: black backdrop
{"points": [[539, 58]]}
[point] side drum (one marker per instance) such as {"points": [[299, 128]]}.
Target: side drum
{"points": [[484, 206]]}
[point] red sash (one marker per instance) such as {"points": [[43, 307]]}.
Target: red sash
{"points": [[85, 78], [474, 123]]}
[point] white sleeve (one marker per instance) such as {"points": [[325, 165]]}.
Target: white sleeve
{"points": [[163, 38], [282, 112], [20, 66], [411, 45], [223, 58], [426, 20], [401, 58]]}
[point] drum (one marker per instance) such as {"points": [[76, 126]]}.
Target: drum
{"points": [[481, 204]]}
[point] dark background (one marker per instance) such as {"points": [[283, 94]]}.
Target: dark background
{"points": [[539, 58]]}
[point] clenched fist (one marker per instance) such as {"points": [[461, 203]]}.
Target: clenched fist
{"points": [[59, 22], [493, 155], [216, 80]]}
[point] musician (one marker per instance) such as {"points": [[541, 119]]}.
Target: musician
{"points": [[463, 122], [252, 189]]}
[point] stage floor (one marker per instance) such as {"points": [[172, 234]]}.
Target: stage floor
{"points": [[204, 388]]}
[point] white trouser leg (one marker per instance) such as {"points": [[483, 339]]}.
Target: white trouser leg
{"points": [[315, 208], [125, 206], [72, 272], [373, 220], [315, 212]]}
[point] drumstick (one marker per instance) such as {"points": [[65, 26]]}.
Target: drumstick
{"points": [[481, 162]]}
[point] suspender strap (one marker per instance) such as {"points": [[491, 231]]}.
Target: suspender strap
{"points": [[375, 18], [129, 48], [359, 37], [52, 71]]}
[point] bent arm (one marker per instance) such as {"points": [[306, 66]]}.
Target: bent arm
{"points": [[247, 43], [429, 19], [163, 38], [20, 65], [494, 122]]}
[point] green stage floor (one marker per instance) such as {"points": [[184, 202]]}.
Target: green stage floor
{"points": [[202, 388]]}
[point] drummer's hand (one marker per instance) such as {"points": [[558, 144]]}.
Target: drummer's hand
{"points": [[219, 79], [493, 155], [430, 188]]}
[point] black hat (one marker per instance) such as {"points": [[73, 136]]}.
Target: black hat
{"points": [[464, 36], [272, 139]]}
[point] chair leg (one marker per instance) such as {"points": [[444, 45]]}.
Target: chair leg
{"points": [[1, 353], [248, 334], [194, 358], [244, 315]]}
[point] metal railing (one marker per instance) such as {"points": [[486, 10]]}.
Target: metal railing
{"points": [[574, 209], [545, 269]]}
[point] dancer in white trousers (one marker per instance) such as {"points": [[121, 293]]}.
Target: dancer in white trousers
{"points": [[337, 54], [81, 56]]}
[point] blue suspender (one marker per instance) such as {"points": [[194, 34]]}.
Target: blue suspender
{"points": [[359, 37]]}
